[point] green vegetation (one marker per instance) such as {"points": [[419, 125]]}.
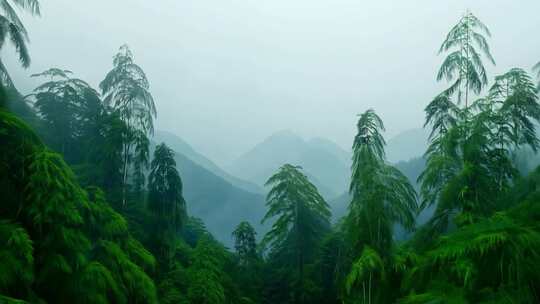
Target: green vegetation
{"points": [[91, 213]]}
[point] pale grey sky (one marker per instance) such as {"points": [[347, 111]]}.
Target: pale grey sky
{"points": [[227, 74]]}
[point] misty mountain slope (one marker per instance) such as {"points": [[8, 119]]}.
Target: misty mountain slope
{"points": [[179, 145], [407, 145], [324, 162], [331, 147], [217, 202]]}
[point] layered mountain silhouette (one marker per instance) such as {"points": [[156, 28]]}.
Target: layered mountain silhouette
{"points": [[216, 197], [324, 162], [224, 198], [180, 146], [407, 145]]}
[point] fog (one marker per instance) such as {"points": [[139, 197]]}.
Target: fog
{"points": [[227, 74]]}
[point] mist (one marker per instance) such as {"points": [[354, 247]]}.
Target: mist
{"points": [[226, 75]]}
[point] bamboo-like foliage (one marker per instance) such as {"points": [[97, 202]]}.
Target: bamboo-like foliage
{"points": [[364, 270], [470, 164], [165, 200], [381, 194], [165, 188], [463, 66], [300, 209], [245, 242], [206, 274], [492, 260], [12, 28], [62, 102], [126, 91], [66, 260], [302, 218], [381, 197]]}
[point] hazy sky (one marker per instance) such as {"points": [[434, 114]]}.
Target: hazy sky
{"points": [[227, 74]]}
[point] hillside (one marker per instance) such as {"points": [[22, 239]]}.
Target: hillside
{"points": [[216, 201], [180, 146], [407, 145]]}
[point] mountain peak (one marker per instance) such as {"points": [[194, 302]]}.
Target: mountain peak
{"points": [[285, 133]]}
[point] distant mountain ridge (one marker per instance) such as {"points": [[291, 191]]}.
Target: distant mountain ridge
{"points": [[179, 145], [218, 202], [324, 162], [407, 145]]}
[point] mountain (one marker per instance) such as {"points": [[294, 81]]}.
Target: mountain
{"points": [[324, 162], [180, 146], [216, 201], [407, 145]]}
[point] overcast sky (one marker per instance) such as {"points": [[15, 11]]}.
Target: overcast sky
{"points": [[226, 74]]}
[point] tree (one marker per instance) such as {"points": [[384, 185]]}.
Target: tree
{"points": [[491, 261], [126, 90], [205, 274], [63, 246], [165, 200], [245, 243], [471, 164], [381, 194], [302, 218], [12, 27], [381, 197], [464, 64], [62, 102]]}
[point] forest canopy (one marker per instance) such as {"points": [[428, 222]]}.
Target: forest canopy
{"points": [[93, 211]]}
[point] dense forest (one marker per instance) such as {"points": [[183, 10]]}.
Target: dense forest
{"points": [[92, 211]]}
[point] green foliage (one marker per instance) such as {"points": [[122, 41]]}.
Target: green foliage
{"points": [[206, 274], [302, 213], [302, 219], [363, 269], [470, 164], [245, 243], [381, 194], [165, 200], [64, 243], [69, 259], [16, 258], [126, 91], [463, 65], [12, 27], [62, 103], [165, 188], [381, 197], [497, 253]]}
